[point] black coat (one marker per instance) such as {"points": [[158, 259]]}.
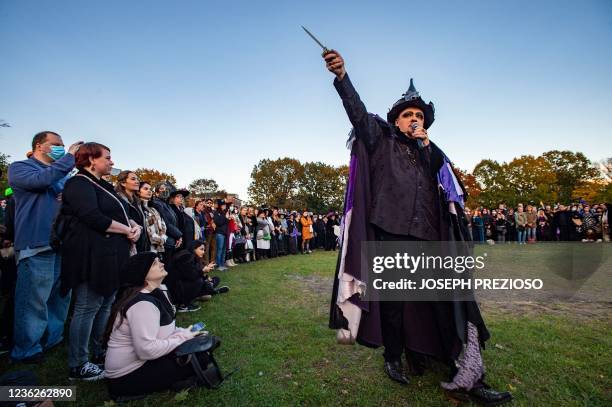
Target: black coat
{"points": [[172, 229], [221, 221], [185, 224], [440, 326], [89, 253], [185, 279], [403, 176]]}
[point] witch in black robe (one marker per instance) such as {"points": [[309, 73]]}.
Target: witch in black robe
{"points": [[398, 190]]}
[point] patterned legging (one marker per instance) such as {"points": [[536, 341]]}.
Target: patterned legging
{"points": [[470, 364]]}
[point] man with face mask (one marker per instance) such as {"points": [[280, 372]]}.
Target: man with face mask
{"points": [[40, 311]]}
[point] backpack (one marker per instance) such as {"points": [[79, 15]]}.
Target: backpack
{"points": [[198, 351]]}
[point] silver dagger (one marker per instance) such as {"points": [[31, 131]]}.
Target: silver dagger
{"points": [[325, 49]]}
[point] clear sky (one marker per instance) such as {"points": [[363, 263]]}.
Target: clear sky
{"points": [[208, 88]]}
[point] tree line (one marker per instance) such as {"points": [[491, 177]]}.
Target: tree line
{"points": [[555, 176], [289, 183]]}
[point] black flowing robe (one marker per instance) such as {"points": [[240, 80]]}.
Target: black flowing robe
{"points": [[435, 328]]}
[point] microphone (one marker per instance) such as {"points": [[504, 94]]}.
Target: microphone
{"points": [[419, 141]]}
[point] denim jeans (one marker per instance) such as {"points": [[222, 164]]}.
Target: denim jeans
{"points": [[220, 250], [40, 311], [91, 312], [531, 233]]}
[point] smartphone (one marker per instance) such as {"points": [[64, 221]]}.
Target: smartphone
{"points": [[198, 327]]}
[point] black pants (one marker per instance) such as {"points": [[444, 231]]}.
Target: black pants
{"points": [[391, 316], [392, 312], [330, 241], [156, 375], [292, 243], [209, 287], [239, 251]]}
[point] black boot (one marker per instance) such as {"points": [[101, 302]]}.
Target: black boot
{"points": [[483, 395], [395, 371]]}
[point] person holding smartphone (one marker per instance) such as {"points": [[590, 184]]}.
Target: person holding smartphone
{"points": [[142, 334]]}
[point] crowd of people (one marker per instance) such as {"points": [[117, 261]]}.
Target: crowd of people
{"points": [[578, 222], [128, 256]]}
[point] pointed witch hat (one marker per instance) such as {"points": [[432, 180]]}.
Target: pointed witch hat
{"points": [[412, 99]]}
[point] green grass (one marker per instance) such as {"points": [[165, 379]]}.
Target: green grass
{"points": [[273, 325]]}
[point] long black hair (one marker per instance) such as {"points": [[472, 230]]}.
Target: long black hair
{"points": [[119, 309]]}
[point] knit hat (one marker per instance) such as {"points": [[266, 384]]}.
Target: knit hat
{"points": [[137, 268]]}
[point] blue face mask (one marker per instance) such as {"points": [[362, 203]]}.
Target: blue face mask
{"points": [[57, 152]]}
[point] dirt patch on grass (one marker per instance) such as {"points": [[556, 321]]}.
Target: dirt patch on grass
{"points": [[578, 309], [317, 284], [322, 286]]}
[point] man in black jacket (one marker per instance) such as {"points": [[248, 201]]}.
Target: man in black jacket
{"points": [[175, 236], [185, 223], [405, 204]]}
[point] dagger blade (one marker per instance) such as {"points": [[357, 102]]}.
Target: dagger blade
{"points": [[315, 39]]}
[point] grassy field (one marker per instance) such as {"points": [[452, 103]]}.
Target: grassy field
{"points": [[273, 325]]}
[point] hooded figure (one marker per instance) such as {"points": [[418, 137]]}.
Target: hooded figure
{"points": [[402, 187]]}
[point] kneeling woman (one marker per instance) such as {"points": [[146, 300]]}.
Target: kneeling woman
{"points": [[189, 278], [141, 334]]}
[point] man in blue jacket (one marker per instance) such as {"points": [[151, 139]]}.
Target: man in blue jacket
{"points": [[40, 311]]}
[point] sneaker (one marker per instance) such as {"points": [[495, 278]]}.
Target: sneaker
{"points": [[87, 372], [222, 290], [98, 360], [188, 308]]}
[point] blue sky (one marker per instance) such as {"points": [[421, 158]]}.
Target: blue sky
{"points": [[207, 89]]}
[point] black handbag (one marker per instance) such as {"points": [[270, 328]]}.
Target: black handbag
{"points": [[199, 351], [59, 230]]}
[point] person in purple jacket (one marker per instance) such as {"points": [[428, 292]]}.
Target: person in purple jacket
{"points": [[37, 183]]}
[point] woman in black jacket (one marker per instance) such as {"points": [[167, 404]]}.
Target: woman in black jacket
{"points": [[252, 214], [190, 277], [95, 248], [330, 237], [292, 233]]}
